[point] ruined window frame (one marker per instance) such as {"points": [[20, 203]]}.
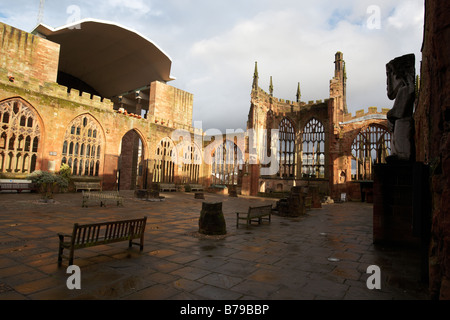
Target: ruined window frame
{"points": [[77, 146], [287, 149], [164, 167], [313, 156], [227, 162], [366, 142], [192, 160]]}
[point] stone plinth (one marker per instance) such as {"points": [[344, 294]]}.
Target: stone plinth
{"points": [[313, 192], [401, 210], [199, 195], [149, 195], [212, 220], [293, 205]]}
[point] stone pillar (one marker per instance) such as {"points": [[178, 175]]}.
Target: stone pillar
{"points": [[111, 167], [402, 207]]}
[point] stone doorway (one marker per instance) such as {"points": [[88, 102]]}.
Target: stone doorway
{"points": [[131, 162]]}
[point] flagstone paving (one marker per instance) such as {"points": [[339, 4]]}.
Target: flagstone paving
{"points": [[288, 259]]}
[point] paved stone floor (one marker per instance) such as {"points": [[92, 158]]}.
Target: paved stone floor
{"points": [[285, 260]]}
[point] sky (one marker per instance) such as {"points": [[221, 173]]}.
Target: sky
{"points": [[214, 45]]}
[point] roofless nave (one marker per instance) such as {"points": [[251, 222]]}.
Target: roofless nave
{"points": [[67, 97]]}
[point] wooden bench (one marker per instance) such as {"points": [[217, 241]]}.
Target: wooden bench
{"points": [[90, 235], [170, 187], [18, 186], [255, 214], [103, 197], [88, 186], [196, 187]]}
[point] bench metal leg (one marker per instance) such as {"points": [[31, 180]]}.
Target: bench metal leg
{"points": [[71, 257], [60, 253], [141, 245]]}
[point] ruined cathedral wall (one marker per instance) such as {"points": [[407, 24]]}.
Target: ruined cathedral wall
{"points": [[56, 109], [432, 119], [28, 71], [171, 106], [27, 56]]}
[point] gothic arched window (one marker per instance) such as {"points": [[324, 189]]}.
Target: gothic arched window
{"points": [[371, 146], [313, 150], [227, 160], [192, 159], [286, 149], [164, 168], [20, 137], [77, 146]]}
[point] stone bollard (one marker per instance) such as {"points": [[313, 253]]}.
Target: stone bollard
{"points": [[212, 220]]}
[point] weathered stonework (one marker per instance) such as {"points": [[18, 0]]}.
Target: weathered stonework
{"points": [[432, 118], [28, 73], [340, 129]]}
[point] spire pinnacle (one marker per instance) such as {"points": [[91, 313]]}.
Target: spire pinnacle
{"points": [[299, 94], [271, 86], [255, 76]]}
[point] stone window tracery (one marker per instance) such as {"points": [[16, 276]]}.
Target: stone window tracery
{"points": [[192, 160], [227, 160], [286, 149], [371, 146], [313, 151], [164, 168], [20, 136], [81, 151]]}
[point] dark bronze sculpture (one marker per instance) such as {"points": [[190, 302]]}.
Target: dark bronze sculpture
{"points": [[401, 88]]}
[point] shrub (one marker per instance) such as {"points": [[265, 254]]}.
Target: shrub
{"points": [[66, 172], [47, 181]]}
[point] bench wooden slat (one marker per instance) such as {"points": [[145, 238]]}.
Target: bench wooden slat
{"points": [[255, 214], [196, 187], [89, 235], [18, 186], [88, 186], [170, 187], [102, 196]]}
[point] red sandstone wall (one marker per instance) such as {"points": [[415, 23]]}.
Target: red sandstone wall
{"points": [[25, 55], [33, 62], [171, 104], [433, 137]]}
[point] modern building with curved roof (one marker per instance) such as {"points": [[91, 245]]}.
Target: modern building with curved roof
{"points": [[93, 95], [106, 58]]}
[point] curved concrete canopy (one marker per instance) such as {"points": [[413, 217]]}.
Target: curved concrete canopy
{"points": [[110, 58]]}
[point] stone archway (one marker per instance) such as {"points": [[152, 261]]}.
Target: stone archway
{"points": [[131, 162]]}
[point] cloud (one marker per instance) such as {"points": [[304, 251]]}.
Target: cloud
{"points": [[298, 45], [137, 6], [406, 15], [214, 45]]}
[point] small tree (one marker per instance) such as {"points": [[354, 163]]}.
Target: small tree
{"points": [[47, 181]]}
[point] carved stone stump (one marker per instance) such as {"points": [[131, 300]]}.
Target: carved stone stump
{"points": [[153, 195], [293, 205], [296, 202], [141, 194], [212, 220], [313, 191], [199, 195]]}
